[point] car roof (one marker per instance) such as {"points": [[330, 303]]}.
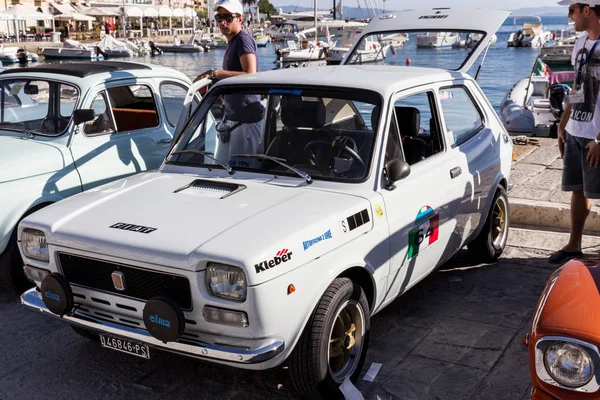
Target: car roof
{"points": [[382, 79], [103, 70]]}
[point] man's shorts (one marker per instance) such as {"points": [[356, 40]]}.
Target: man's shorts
{"points": [[577, 172]]}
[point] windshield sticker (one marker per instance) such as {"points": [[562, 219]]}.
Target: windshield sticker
{"points": [[282, 256], [133, 228], [15, 89], [296, 92], [425, 231], [308, 243], [354, 221]]}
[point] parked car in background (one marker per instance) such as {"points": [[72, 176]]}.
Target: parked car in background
{"points": [[342, 188], [66, 128], [563, 342]]}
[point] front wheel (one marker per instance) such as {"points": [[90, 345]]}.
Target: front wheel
{"points": [[334, 342], [491, 241]]}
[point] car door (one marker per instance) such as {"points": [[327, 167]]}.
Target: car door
{"points": [[476, 148], [421, 208]]}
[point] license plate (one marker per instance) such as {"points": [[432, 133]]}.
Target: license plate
{"points": [[125, 346]]}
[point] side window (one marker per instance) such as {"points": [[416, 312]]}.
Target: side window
{"points": [[102, 122], [68, 97], [133, 107], [418, 126], [461, 116], [393, 148], [173, 96]]}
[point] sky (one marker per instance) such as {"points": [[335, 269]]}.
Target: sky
{"points": [[424, 4]]}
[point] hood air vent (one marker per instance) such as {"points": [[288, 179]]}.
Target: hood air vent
{"points": [[210, 189]]}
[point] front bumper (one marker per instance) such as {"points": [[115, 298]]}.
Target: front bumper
{"points": [[247, 354]]}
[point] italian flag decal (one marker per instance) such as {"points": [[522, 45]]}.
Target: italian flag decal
{"points": [[425, 231]]}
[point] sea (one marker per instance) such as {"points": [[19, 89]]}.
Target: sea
{"points": [[501, 69]]}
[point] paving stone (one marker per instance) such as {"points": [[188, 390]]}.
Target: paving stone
{"points": [[527, 193], [557, 164], [544, 155], [547, 179], [521, 172], [463, 342]]}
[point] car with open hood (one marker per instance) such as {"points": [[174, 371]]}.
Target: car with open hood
{"points": [[66, 128], [292, 207], [563, 342]]}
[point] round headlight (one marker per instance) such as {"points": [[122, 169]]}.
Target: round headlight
{"points": [[569, 364]]}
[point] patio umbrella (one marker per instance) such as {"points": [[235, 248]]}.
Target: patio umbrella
{"points": [[151, 12], [96, 12], [21, 13], [165, 11]]}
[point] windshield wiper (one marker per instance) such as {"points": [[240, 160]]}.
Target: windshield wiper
{"points": [[206, 154], [279, 161], [11, 127]]}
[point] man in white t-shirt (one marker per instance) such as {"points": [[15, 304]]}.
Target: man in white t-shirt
{"points": [[579, 128]]}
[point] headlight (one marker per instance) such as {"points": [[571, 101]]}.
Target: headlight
{"points": [[34, 244], [226, 281], [569, 364]]}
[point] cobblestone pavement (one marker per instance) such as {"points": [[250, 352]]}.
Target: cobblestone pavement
{"points": [[456, 335]]}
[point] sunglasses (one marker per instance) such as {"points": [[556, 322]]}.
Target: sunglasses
{"points": [[225, 17]]}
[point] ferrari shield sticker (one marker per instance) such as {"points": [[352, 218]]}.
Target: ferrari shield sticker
{"points": [[425, 231]]}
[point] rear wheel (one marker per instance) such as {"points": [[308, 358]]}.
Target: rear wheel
{"points": [[334, 342], [12, 277], [491, 241]]}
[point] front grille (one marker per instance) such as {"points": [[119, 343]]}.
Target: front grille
{"points": [[139, 283]]}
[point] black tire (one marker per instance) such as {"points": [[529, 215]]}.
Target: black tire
{"points": [[12, 277], [491, 241], [309, 364], [86, 333]]}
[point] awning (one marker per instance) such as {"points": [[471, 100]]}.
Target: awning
{"points": [[20, 12], [133, 12], [151, 12], [165, 11], [189, 12], [67, 13], [98, 12], [178, 13]]}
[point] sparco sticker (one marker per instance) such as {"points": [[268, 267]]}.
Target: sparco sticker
{"points": [[282, 256]]}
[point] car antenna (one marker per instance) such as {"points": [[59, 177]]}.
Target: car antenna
{"points": [[483, 59]]}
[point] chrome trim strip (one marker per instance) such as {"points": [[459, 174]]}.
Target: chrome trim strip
{"points": [[540, 366], [191, 348]]}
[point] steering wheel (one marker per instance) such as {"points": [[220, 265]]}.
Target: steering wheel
{"points": [[337, 145], [54, 124]]}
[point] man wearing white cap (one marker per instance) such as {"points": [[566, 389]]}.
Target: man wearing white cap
{"points": [[579, 128], [242, 122]]}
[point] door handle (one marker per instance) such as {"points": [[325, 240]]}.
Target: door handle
{"points": [[454, 172], [165, 141]]}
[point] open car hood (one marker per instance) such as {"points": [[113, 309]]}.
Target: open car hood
{"points": [[478, 21]]}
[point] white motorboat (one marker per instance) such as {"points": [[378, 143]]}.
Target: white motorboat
{"points": [[534, 105], [110, 47], [262, 40], [371, 50], [474, 38], [71, 49], [531, 34], [284, 31], [436, 40], [568, 35], [13, 54], [180, 47]]}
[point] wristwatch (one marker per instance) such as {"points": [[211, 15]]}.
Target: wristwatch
{"points": [[213, 72], [597, 141]]}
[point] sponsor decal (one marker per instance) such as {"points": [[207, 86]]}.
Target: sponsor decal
{"points": [[118, 279], [133, 228], [52, 296], [438, 16], [159, 321], [282, 256], [378, 210], [425, 231], [308, 243], [354, 221]]}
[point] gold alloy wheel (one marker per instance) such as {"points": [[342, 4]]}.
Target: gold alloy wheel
{"points": [[500, 222], [346, 340]]}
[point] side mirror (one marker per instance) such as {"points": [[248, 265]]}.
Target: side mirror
{"points": [[83, 115], [396, 170]]}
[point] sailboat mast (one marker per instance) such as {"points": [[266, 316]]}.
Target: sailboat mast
{"points": [[315, 19]]}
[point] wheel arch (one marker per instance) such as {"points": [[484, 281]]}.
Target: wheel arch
{"points": [[362, 276]]}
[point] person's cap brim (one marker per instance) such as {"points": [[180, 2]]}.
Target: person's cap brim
{"points": [[565, 2]]}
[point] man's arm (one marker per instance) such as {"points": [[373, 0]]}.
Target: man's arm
{"points": [[248, 62], [562, 136]]}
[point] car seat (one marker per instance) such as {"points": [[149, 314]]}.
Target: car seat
{"points": [[409, 123]]}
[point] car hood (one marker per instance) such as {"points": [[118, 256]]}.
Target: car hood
{"points": [[183, 221], [21, 158], [570, 304]]}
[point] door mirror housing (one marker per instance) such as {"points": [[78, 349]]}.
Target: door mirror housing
{"points": [[396, 169], [83, 115]]}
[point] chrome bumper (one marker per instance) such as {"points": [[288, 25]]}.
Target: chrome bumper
{"points": [[266, 351]]}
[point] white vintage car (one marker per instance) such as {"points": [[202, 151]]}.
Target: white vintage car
{"points": [[66, 128], [293, 206]]}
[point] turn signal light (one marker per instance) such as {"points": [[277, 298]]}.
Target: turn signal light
{"points": [[291, 289]]}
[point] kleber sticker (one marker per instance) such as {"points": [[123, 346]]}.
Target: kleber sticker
{"points": [[308, 243], [282, 256], [425, 231]]}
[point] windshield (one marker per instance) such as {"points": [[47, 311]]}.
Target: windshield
{"points": [[40, 107], [328, 134], [434, 49]]}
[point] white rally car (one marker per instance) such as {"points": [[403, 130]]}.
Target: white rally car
{"points": [[293, 205]]}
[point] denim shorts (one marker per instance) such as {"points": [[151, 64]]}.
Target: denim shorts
{"points": [[577, 172]]}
